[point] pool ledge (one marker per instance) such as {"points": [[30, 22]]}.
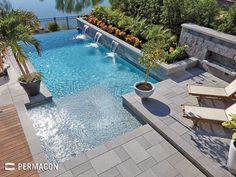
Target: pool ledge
{"points": [[18, 93], [132, 54]]}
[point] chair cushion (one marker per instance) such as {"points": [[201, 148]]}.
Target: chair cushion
{"points": [[207, 91], [212, 114]]}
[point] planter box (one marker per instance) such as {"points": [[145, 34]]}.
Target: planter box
{"points": [[132, 54]]}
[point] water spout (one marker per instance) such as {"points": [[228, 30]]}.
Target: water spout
{"points": [[112, 53], [97, 37], [114, 46], [96, 40], [85, 29], [83, 35]]}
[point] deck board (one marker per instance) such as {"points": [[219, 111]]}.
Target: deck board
{"points": [[13, 144]]}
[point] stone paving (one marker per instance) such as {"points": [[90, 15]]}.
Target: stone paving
{"points": [[139, 153], [163, 111]]}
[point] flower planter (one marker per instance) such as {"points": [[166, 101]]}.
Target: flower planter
{"points": [[232, 158], [32, 89], [144, 93]]}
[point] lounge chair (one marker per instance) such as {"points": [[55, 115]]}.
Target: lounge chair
{"points": [[228, 92], [211, 115]]}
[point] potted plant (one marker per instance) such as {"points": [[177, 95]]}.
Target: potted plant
{"points": [[15, 29], [232, 150], [152, 54], [31, 84]]}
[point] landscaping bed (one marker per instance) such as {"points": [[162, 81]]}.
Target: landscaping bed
{"points": [[137, 32], [132, 54]]}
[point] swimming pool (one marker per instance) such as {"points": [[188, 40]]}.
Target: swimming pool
{"points": [[87, 86]]}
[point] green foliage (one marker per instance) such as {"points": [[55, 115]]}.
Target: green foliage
{"points": [[158, 32], [145, 9], [201, 12], [107, 14], [229, 22], [176, 55], [137, 26], [152, 54], [232, 125], [173, 14], [35, 76], [52, 26], [16, 26]]}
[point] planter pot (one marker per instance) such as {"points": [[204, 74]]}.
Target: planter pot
{"points": [[32, 88], [232, 158], [143, 93]]}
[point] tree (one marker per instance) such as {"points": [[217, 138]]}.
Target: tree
{"points": [[152, 55], [15, 29]]}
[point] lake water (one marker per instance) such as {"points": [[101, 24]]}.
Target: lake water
{"points": [[56, 8]]}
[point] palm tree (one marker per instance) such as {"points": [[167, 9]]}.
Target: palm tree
{"points": [[15, 29]]}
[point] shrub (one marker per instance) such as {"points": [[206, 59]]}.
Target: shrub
{"points": [[229, 22], [145, 9], [201, 12], [158, 32], [173, 14], [175, 55], [52, 26]]}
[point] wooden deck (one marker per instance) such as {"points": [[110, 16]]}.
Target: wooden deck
{"points": [[13, 144]]}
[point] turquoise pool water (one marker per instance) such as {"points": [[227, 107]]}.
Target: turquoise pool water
{"points": [[87, 87]]}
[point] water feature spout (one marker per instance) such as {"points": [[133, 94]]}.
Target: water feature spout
{"points": [[97, 37], [114, 46], [112, 53], [83, 35], [85, 29], [96, 40]]}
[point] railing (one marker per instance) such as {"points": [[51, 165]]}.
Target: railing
{"points": [[68, 22]]}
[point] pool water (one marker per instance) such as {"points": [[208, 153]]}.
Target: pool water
{"points": [[87, 87]]}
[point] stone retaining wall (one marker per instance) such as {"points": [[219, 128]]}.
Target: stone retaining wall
{"points": [[204, 41]]}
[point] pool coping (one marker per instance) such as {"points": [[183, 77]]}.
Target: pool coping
{"points": [[131, 53]]}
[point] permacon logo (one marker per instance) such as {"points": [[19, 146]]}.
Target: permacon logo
{"points": [[30, 166]]}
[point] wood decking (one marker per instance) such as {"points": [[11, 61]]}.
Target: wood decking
{"points": [[13, 144]]}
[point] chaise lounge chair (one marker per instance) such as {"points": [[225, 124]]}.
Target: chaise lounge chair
{"points": [[228, 92], [211, 115]]}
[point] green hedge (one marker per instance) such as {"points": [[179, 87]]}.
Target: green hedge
{"points": [[172, 13]]}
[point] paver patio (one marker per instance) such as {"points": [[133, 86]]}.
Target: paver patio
{"points": [[141, 152], [163, 111]]}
